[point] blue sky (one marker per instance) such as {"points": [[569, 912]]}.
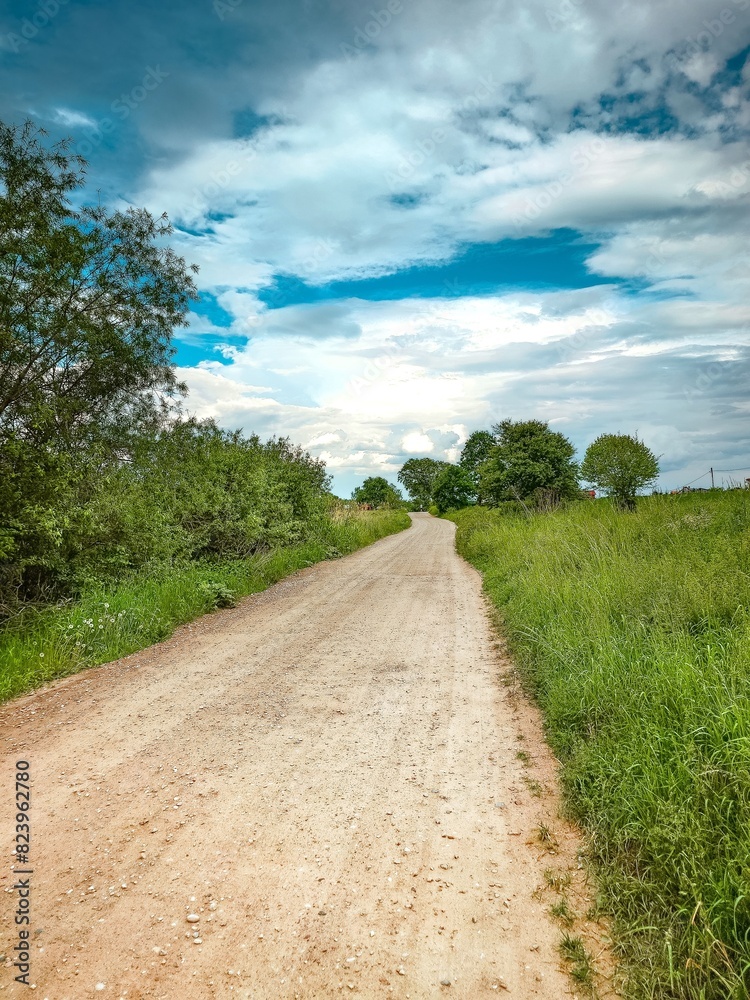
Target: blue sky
{"points": [[415, 218]]}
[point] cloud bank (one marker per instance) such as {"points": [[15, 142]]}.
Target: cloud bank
{"points": [[311, 155]]}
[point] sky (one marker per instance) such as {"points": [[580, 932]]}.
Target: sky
{"points": [[416, 218]]}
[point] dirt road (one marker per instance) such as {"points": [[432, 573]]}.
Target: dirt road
{"points": [[326, 777]]}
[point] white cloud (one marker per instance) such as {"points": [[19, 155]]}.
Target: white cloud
{"points": [[321, 439], [456, 123], [73, 119], [491, 120], [417, 443]]}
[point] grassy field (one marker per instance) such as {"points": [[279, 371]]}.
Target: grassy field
{"points": [[105, 624], [633, 632]]}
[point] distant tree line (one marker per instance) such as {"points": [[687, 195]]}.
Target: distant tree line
{"points": [[521, 465]]}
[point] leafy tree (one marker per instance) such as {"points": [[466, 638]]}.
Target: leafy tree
{"points": [[88, 299], [377, 492], [475, 453], [620, 466], [418, 476], [454, 489], [88, 303], [529, 461]]}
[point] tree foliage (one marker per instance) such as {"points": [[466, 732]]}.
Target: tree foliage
{"points": [[620, 466], [529, 462], [188, 492], [454, 489], [88, 300], [376, 491], [476, 451], [474, 454], [88, 303], [418, 477]]}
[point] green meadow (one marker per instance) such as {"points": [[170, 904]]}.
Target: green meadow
{"points": [[632, 630]]}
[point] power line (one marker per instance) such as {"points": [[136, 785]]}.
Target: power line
{"points": [[711, 473], [699, 477]]}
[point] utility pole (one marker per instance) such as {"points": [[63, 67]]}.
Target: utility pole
{"points": [[712, 478]]}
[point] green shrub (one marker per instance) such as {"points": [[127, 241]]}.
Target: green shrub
{"points": [[217, 595], [189, 492]]}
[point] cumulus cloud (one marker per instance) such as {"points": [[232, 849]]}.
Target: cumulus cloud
{"points": [[416, 146], [417, 443]]}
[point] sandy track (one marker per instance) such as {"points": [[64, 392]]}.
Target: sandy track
{"points": [[326, 776]]}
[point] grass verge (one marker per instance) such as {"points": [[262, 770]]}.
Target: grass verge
{"points": [[633, 633], [107, 623]]}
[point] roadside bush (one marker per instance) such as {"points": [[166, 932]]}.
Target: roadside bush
{"points": [[190, 492], [217, 595]]}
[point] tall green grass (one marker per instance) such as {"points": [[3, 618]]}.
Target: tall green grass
{"points": [[633, 632], [106, 623]]}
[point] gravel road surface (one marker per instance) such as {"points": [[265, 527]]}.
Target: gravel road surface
{"points": [[315, 794]]}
